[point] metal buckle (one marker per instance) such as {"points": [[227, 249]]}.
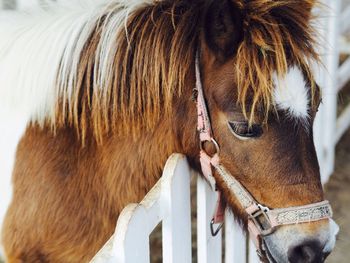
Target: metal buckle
{"points": [[262, 212], [216, 231], [216, 145]]}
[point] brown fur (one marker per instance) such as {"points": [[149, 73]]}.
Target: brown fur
{"points": [[75, 195], [67, 197]]}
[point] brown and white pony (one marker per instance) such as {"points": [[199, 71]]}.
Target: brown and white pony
{"points": [[108, 88]]}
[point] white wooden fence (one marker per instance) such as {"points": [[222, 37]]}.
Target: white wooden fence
{"points": [[168, 202]]}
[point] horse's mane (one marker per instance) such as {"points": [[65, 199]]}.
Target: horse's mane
{"points": [[277, 33], [132, 65], [122, 64]]}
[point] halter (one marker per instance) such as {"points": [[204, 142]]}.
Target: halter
{"points": [[262, 221]]}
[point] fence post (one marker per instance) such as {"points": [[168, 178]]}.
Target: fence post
{"points": [[331, 61], [131, 240], [319, 74], [253, 256], [176, 204], [235, 240], [209, 247]]}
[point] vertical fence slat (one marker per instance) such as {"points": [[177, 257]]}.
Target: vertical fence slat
{"points": [[176, 199], [209, 247], [131, 240], [235, 241], [331, 60], [253, 256], [319, 76]]}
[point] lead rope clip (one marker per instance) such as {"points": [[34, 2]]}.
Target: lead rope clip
{"points": [[215, 232]]}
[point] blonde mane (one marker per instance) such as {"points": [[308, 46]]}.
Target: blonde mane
{"points": [[130, 68], [118, 66]]}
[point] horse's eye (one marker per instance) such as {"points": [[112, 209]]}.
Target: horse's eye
{"points": [[242, 130]]}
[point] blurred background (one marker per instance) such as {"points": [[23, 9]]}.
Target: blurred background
{"points": [[331, 131], [338, 186]]}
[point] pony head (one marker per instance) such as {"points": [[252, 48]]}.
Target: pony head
{"points": [[262, 98]]}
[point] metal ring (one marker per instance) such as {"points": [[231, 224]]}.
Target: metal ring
{"points": [[212, 140]]}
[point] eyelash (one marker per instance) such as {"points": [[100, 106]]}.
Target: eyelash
{"points": [[242, 130]]}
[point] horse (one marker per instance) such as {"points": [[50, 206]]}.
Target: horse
{"points": [[109, 91]]}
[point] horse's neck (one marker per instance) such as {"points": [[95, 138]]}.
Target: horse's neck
{"points": [[130, 167], [121, 170]]}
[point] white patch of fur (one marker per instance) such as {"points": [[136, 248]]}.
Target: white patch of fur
{"points": [[334, 230], [289, 236], [291, 94], [42, 48]]}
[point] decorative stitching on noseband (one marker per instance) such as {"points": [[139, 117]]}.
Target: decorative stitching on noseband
{"points": [[302, 214]]}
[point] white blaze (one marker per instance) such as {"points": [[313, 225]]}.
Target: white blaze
{"points": [[291, 93]]}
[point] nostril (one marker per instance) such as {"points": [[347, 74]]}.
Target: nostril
{"points": [[307, 252]]}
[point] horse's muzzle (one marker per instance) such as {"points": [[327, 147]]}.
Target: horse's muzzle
{"points": [[307, 252], [302, 243]]}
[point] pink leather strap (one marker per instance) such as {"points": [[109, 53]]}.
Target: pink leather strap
{"points": [[254, 234], [203, 124], [205, 135], [219, 214], [206, 165]]}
